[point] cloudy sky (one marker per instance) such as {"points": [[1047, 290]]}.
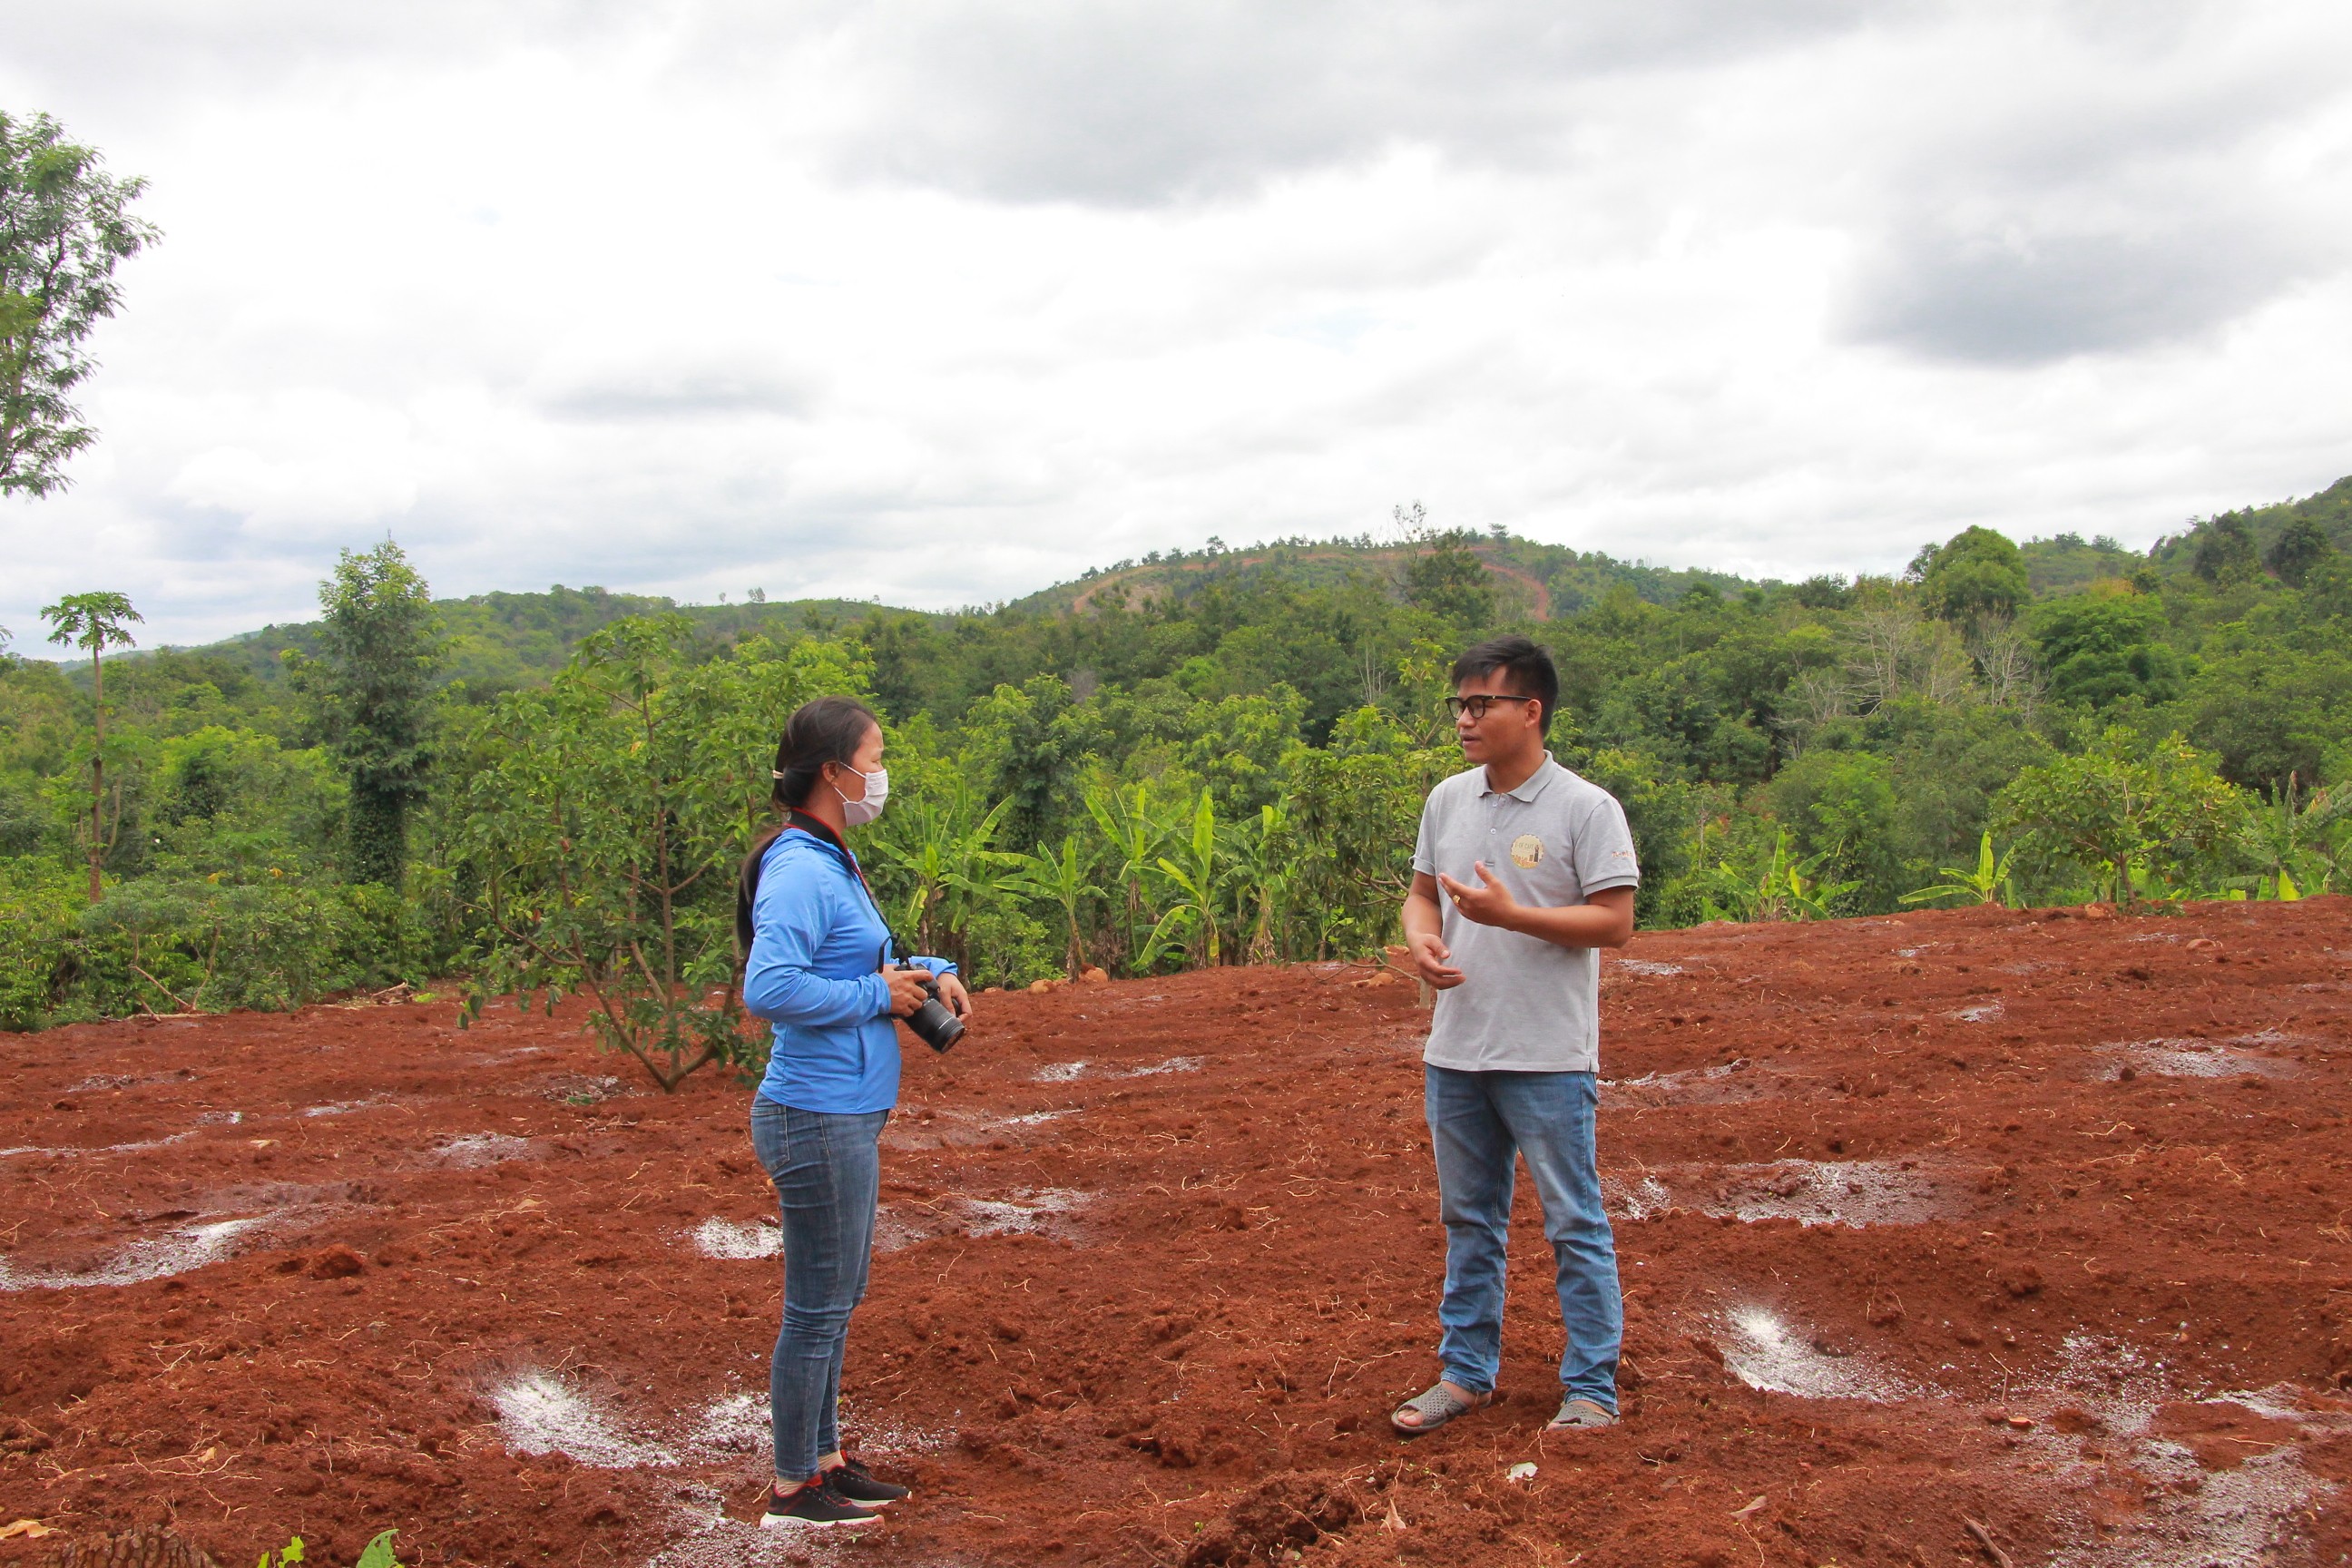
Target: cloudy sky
{"points": [[939, 302]]}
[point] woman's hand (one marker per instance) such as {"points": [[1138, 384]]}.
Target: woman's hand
{"points": [[952, 993], [907, 990]]}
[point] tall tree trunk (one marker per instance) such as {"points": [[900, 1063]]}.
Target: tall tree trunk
{"points": [[97, 773]]}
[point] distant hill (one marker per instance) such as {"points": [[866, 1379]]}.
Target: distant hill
{"points": [[500, 641], [2331, 509], [1539, 582]]}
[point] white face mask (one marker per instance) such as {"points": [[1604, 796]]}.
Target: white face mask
{"points": [[857, 813]]}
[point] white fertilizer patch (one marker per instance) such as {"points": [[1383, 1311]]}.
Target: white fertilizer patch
{"points": [[737, 1424], [1855, 1193], [476, 1150], [733, 1240], [2189, 1057], [1023, 1214], [1069, 1072], [1770, 1354], [345, 1107], [1641, 966], [538, 1413], [1727, 1083], [1037, 1118], [1638, 1200], [1173, 1064], [1982, 1013], [191, 1247]]}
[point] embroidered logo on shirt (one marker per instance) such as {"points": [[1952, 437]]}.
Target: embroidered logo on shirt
{"points": [[1527, 851]]}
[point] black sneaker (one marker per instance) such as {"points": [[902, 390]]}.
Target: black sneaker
{"points": [[856, 1482], [818, 1505]]}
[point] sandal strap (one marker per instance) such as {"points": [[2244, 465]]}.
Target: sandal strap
{"points": [[1582, 1412], [1435, 1405]]}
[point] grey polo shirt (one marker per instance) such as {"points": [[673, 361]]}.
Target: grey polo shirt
{"points": [[1523, 1005]]}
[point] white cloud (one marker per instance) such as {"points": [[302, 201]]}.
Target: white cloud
{"points": [[937, 304]]}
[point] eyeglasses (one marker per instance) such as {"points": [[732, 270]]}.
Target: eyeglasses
{"points": [[1477, 707]]}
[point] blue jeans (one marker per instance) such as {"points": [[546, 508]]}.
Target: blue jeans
{"points": [[828, 1171], [1478, 1121]]}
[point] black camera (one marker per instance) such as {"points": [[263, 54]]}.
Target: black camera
{"points": [[934, 1022]]}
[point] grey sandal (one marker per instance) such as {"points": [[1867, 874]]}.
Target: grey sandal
{"points": [[1435, 1406], [1576, 1415]]}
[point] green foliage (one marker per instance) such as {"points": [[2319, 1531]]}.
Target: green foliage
{"points": [[1988, 883], [603, 824], [374, 686], [2129, 812], [2101, 648], [1777, 885], [2226, 552], [1214, 756], [1975, 577], [65, 224], [2301, 545]]}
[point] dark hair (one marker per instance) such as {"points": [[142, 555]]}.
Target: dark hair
{"points": [[1526, 669], [825, 729]]}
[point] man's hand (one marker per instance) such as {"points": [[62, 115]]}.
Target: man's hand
{"points": [[952, 993], [1429, 957], [906, 992], [1491, 905]]}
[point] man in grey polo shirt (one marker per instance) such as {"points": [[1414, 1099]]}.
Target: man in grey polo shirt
{"points": [[1523, 871]]}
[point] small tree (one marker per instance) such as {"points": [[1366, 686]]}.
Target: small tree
{"points": [[2123, 807], [605, 825], [64, 225], [93, 621], [375, 686]]}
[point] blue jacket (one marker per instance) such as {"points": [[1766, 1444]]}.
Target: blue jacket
{"points": [[816, 943]]}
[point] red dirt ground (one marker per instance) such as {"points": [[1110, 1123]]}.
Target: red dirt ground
{"points": [[1154, 1307]]}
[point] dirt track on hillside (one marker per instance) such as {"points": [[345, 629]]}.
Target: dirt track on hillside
{"points": [[2037, 1222]]}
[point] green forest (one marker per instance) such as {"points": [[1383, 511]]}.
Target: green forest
{"points": [[1197, 758]]}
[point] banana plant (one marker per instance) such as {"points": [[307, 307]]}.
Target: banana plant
{"points": [[1194, 875], [1135, 837], [2290, 843], [1987, 884], [1784, 889], [1264, 869], [1058, 877], [953, 863]]}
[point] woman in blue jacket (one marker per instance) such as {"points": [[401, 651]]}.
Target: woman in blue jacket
{"points": [[821, 968]]}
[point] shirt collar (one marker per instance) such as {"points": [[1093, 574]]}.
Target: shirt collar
{"points": [[1533, 784]]}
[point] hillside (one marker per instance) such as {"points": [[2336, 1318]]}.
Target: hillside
{"points": [[502, 640]]}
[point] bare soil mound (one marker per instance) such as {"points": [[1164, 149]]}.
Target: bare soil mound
{"points": [[1943, 1235]]}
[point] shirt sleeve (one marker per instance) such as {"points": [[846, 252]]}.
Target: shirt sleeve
{"points": [[1604, 849], [789, 922], [937, 966], [1425, 852]]}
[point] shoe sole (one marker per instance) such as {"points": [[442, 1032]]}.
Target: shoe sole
{"points": [[788, 1521]]}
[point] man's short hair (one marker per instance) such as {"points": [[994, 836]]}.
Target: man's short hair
{"points": [[1526, 669]]}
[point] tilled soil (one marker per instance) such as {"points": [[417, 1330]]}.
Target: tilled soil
{"points": [[1945, 1238]]}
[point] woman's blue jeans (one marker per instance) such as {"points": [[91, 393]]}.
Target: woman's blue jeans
{"points": [[828, 1171], [1478, 1121]]}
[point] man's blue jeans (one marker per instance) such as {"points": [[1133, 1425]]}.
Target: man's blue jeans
{"points": [[827, 1171], [1478, 1121]]}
